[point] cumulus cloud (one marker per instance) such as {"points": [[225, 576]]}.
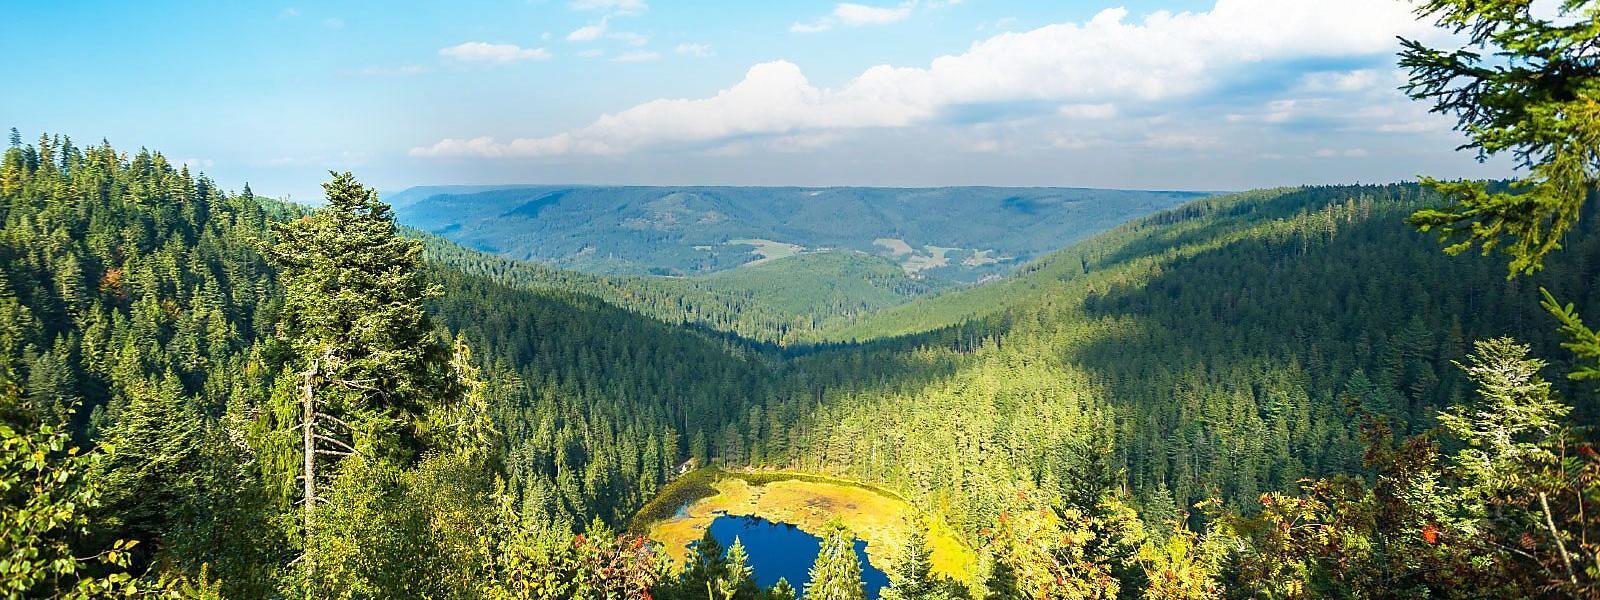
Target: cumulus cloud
{"points": [[588, 33], [1090, 70], [484, 52], [696, 50], [850, 14]]}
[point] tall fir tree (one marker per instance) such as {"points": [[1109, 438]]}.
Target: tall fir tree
{"points": [[836, 574]]}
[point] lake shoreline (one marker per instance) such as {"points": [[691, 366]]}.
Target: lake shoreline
{"points": [[684, 510]]}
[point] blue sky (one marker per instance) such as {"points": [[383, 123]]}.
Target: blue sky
{"points": [[1225, 94]]}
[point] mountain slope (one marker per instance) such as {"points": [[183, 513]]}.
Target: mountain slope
{"points": [[784, 301], [1212, 350], [959, 234], [138, 296]]}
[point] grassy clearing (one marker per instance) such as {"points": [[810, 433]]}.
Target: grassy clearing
{"points": [[768, 250], [880, 518]]}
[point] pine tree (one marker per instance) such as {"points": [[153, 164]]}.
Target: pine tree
{"points": [[707, 566], [366, 361], [1537, 99], [738, 581], [779, 591], [913, 578], [836, 574]]}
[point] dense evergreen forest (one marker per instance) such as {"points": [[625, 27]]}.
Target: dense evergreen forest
{"points": [[1286, 393]]}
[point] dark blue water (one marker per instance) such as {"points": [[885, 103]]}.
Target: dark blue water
{"points": [[782, 550]]}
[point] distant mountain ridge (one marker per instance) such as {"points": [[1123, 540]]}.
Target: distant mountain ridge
{"points": [[960, 234]]}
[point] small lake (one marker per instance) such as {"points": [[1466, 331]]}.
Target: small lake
{"points": [[781, 550]]}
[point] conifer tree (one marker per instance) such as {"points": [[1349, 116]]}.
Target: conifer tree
{"points": [[1537, 99], [706, 565], [779, 591], [913, 578], [366, 362], [738, 581], [836, 574]]}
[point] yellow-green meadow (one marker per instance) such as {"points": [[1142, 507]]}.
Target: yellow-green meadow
{"points": [[808, 502]]}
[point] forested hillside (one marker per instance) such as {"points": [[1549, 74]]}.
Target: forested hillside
{"points": [[957, 234], [146, 318], [784, 302], [1218, 348]]}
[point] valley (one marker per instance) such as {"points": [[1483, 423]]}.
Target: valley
{"points": [[1370, 389]]}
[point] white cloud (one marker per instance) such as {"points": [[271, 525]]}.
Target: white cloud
{"points": [[591, 53], [492, 53], [195, 164], [289, 13], [857, 15], [1096, 67], [637, 56], [850, 14], [810, 27], [588, 33], [805, 142], [1347, 81], [615, 7], [1088, 111], [333, 23], [696, 50]]}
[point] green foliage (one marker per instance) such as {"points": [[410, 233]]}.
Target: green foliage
{"points": [[354, 293], [1185, 566], [836, 574], [1043, 552], [1538, 98], [1502, 516], [779, 591], [46, 495], [912, 577], [738, 580]]}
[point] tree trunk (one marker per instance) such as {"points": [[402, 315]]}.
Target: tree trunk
{"points": [[308, 426]]}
